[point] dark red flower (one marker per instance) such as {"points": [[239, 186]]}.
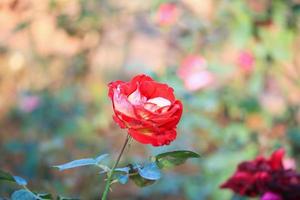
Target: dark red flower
{"points": [[148, 109], [285, 183], [252, 177]]}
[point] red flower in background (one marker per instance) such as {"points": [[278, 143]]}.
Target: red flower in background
{"points": [[167, 14], [193, 71], [268, 178], [148, 109], [286, 184], [252, 177]]}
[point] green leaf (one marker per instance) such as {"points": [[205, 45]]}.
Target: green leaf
{"points": [[100, 158], [20, 181], [81, 162], [45, 196], [174, 158], [122, 174], [65, 198], [140, 181], [76, 163], [150, 171], [8, 177], [122, 178], [144, 175], [23, 195]]}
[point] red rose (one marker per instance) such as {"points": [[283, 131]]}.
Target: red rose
{"points": [[252, 177], [148, 109]]}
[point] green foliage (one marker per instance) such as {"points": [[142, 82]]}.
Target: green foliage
{"points": [[82, 162], [170, 159], [140, 181], [149, 171], [26, 194], [23, 195], [5, 176], [141, 175]]}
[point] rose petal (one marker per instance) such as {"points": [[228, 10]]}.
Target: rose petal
{"points": [[145, 136], [160, 101]]}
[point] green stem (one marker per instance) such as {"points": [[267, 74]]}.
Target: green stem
{"points": [[110, 174]]}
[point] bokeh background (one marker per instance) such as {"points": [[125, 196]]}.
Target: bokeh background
{"points": [[234, 64]]}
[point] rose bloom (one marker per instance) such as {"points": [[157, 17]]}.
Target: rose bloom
{"points": [[167, 14], [148, 109], [193, 71], [251, 177]]}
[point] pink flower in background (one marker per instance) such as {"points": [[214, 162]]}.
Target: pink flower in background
{"points": [[193, 71], [29, 103], [271, 196], [167, 14], [289, 163], [246, 61]]}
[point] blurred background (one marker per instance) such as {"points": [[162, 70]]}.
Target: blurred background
{"points": [[234, 64]]}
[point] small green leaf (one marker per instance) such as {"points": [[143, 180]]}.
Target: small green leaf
{"points": [[100, 158], [45, 196], [23, 195], [20, 181], [143, 176], [82, 162], [123, 179], [150, 171], [65, 198], [123, 169], [121, 175], [6, 176], [140, 181], [76, 163], [174, 158]]}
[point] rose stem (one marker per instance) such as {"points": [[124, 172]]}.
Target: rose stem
{"points": [[110, 174]]}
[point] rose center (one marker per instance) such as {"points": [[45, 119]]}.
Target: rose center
{"points": [[160, 101], [153, 104]]}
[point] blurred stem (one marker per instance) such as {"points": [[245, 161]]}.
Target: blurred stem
{"points": [[110, 174]]}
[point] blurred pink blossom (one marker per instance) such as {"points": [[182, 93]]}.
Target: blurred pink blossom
{"points": [[29, 103], [167, 14], [246, 61], [193, 71], [271, 196], [289, 163]]}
